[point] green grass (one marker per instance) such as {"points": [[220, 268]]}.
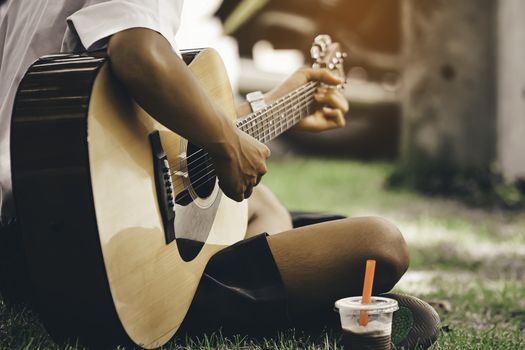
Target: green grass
{"points": [[337, 186], [483, 316], [472, 258]]}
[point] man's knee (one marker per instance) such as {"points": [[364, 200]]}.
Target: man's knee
{"points": [[390, 241], [390, 250], [266, 213], [376, 238]]}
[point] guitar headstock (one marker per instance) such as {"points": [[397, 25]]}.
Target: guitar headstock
{"points": [[328, 54]]}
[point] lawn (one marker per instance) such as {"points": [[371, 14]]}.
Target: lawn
{"points": [[468, 261]]}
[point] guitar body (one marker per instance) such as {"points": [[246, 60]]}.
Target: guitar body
{"points": [[120, 215], [110, 235]]}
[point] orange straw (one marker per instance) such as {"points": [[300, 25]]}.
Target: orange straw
{"points": [[367, 290]]}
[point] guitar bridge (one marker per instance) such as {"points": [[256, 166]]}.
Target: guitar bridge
{"points": [[164, 186]]}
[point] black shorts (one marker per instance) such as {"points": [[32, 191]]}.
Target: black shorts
{"points": [[241, 291]]}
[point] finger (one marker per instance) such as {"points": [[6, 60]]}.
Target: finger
{"points": [[267, 153], [319, 121], [258, 180], [333, 99], [323, 75], [238, 190], [248, 192], [238, 195], [325, 89], [233, 194], [336, 116], [263, 169]]}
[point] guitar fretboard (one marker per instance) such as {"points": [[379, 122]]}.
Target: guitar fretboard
{"points": [[274, 119]]}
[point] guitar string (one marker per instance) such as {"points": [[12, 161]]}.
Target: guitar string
{"points": [[241, 123], [299, 99], [306, 90], [279, 116], [199, 186], [263, 135], [182, 188], [295, 120], [257, 128], [274, 134], [280, 123]]}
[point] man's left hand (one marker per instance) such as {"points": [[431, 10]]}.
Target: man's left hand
{"points": [[333, 104]]}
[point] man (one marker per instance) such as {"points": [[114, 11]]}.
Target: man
{"points": [[305, 269]]}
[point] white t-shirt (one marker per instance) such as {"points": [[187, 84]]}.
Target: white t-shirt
{"points": [[33, 28]]}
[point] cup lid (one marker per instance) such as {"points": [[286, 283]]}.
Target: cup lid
{"points": [[378, 305]]}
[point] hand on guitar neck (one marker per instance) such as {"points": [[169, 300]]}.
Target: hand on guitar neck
{"points": [[332, 104]]}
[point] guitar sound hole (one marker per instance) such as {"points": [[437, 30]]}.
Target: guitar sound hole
{"points": [[200, 171]]}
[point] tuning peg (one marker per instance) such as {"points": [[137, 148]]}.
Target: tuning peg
{"points": [[319, 46], [315, 52], [323, 40]]}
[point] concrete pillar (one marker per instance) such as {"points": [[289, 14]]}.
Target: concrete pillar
{"points": [[449, 84], [511, 88]]}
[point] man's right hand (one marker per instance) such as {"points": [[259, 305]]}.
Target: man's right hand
{"points": [[163, 85], [240, 164]]}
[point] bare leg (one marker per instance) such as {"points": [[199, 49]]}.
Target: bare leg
{"points": [[324, 262], [266, 213]]}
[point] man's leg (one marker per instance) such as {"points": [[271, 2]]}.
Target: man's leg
{"points": [[292, 279], [266, 213], [278, 279], [324, 262]]}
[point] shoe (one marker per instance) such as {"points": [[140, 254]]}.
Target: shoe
{"points": [[415, 325]]}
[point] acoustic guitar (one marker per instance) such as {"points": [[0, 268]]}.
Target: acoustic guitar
{"points": [[119, 214]]}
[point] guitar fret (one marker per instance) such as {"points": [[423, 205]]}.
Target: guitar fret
{"points": [[274, 119]]}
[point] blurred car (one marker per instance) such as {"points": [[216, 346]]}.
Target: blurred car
{"points": [[275, 37]]}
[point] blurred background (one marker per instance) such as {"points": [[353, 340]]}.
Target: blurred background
{"points": [[435, 140], [437, 88], [435, 137]]}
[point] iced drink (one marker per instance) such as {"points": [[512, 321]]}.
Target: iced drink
{"points": [[375, 335]]}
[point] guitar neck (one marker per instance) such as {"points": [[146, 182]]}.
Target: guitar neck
{"points": [[274, 119]]}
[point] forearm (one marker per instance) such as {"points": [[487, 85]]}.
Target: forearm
{"points": [[163, 86]]}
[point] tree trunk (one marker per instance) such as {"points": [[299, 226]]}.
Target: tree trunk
{"points": [[449, 93]]}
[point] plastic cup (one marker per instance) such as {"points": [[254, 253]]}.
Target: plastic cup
{"points": [[375, 335]]}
